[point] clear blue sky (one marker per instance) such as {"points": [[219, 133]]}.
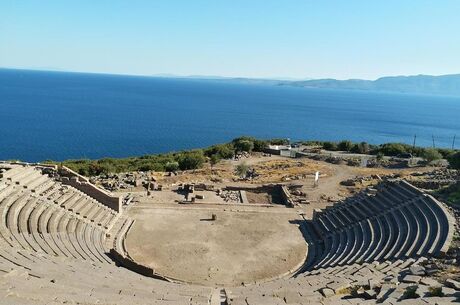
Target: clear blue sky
{"points": [[253, 38]]}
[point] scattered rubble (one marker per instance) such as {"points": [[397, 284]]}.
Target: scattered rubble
{"points": [[122, 181], [242, 155], [435, 179], [229, 195]]}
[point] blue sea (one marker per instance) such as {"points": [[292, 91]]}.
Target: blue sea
{"points": [[57, 115]]}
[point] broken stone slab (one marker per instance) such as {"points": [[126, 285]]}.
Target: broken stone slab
{"points": [[337, 286], [417, 270], [385, 291], [430, 282], [381, 266], [405, 286], [449, 291], [423, 290], [410, 302], [431, 271], [373, 284], [369, 294], [391, 279], [453, 284], [411, 279], [395, 294], [361, 282]]}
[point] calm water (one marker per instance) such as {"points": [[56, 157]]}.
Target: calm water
{"points": [[50, 115]]}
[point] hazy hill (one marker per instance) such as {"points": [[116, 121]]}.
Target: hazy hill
{"points": [[425, 84]]}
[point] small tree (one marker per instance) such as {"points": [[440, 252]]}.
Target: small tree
{"points": [[242, 169], [213, 160], [431, 154]]}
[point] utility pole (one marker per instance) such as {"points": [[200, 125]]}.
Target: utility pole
{"points": [[432, 136], [453, 142], [413, 148]]}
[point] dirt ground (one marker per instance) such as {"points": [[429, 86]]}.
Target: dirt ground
{"points": [[242, 245], [270, 169], [274, 169]]}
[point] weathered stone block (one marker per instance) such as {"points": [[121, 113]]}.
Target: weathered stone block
{"points": [[411, 279], [453, 284], [327, 292], [417, 270]]}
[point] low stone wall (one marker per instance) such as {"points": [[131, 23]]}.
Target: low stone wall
{"points": [[243, 197], [279, 188], [272, 151], [82, 184], [286, 196]]}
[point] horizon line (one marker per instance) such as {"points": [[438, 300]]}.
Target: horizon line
{"points": [[216, 77]]}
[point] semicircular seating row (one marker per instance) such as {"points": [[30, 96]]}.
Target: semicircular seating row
{"points": [[42, 215], [398, 221]]}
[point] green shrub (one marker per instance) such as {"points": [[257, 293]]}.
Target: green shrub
{"points": [[452, 193], [191, 160], [454, 160], [394, 149], [431, 154], [250, 143], [345, 145], [260, 145], [172, 166], [277, 141], [446, 152], [244, 145], [214, 159], [242, 169], [224, 151], [361, 148], [150, 167], [330, 146]]}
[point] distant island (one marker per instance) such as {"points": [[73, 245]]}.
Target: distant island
{"points": [[419, 84], [423, 84]]}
